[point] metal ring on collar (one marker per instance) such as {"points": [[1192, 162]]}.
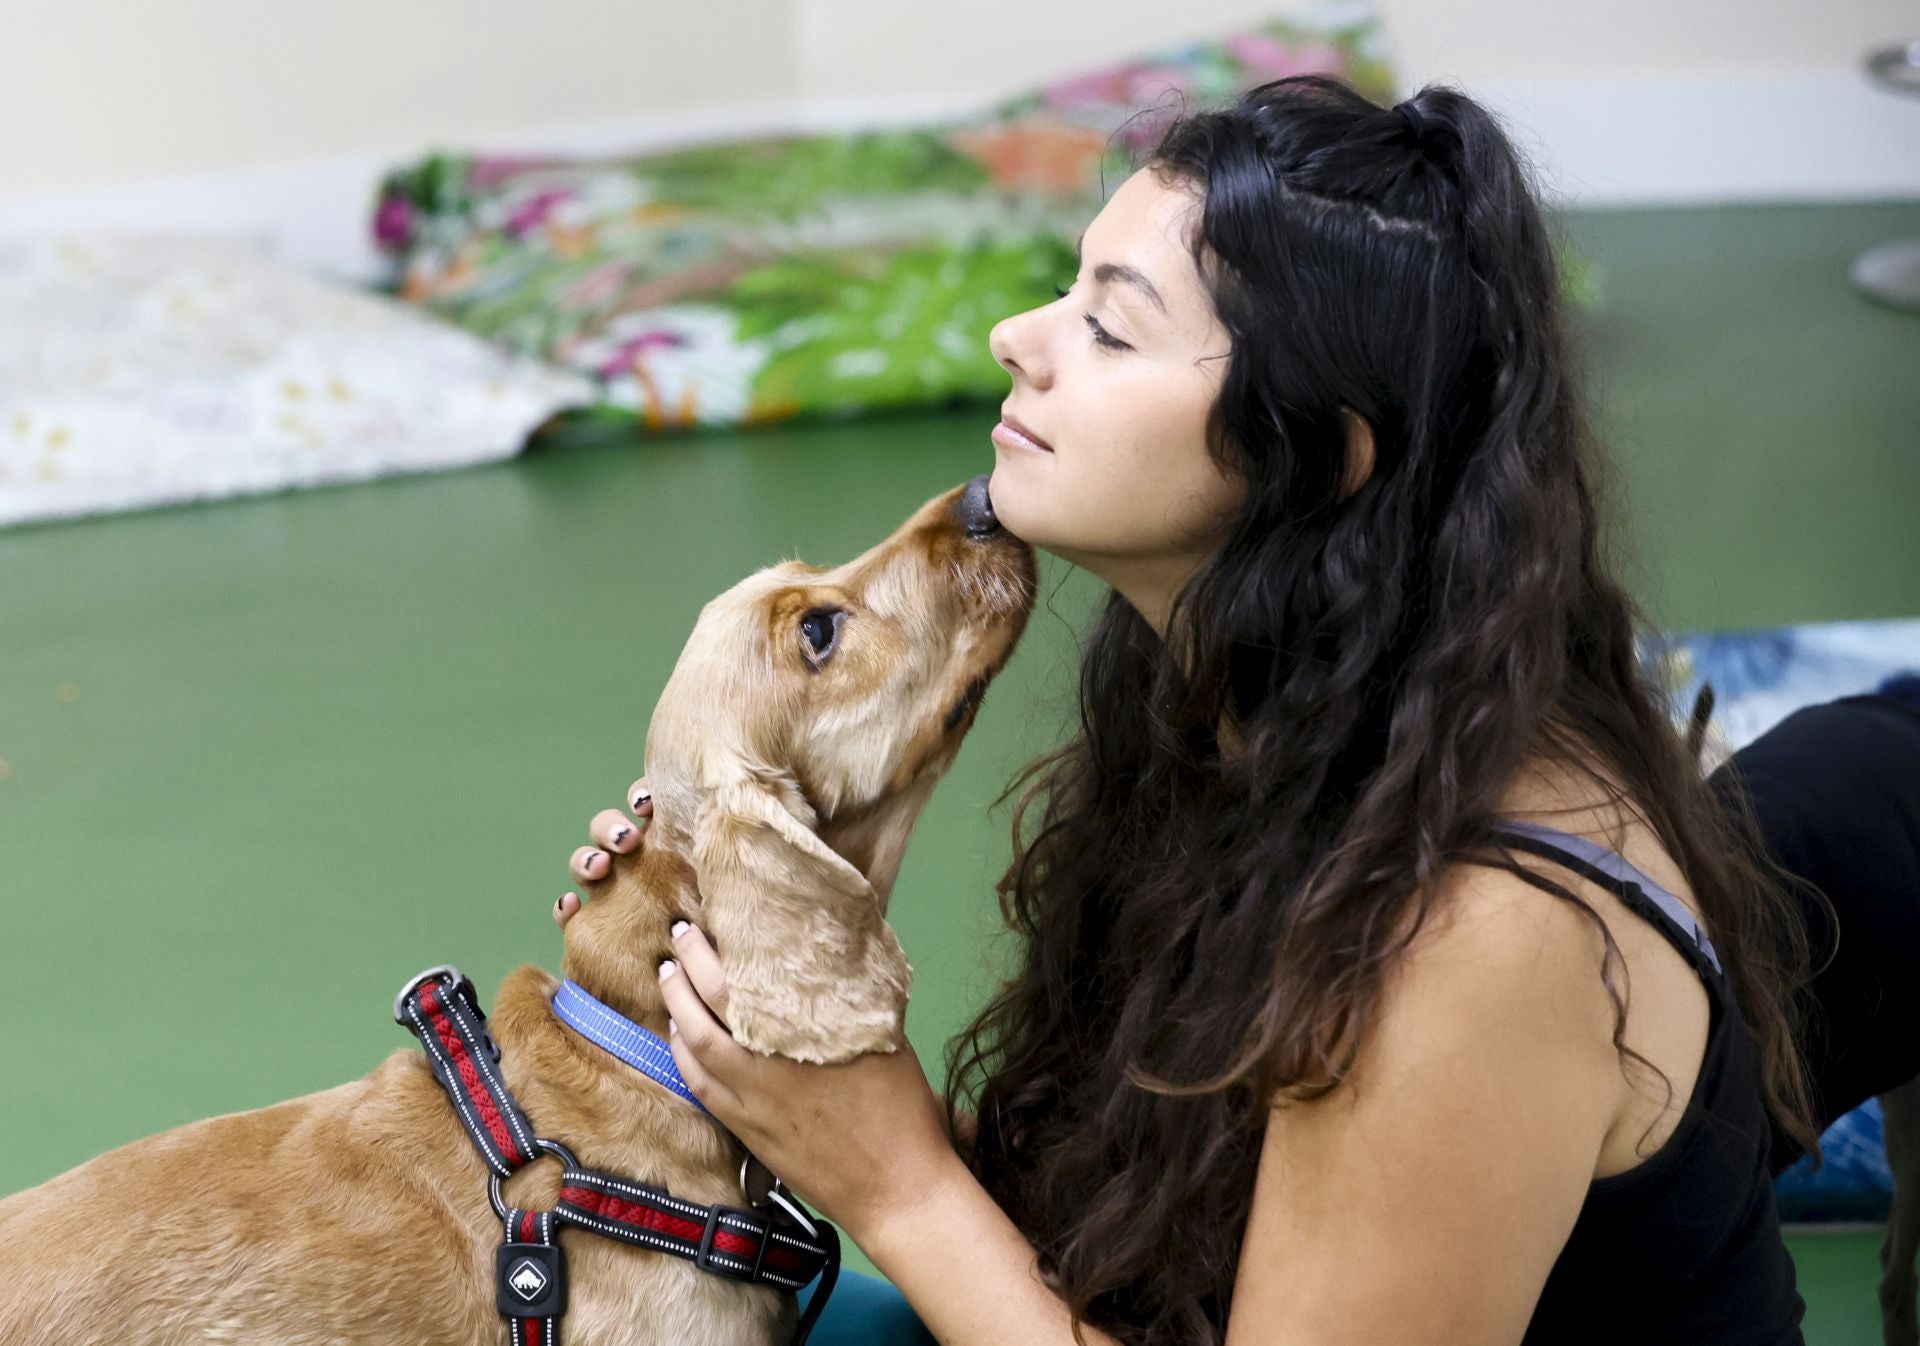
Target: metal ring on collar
{"points": [[747, 1192], [777, 1194], [552, 1147], [448, 968]]}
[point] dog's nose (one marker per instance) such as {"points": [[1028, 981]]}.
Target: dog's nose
{"points": [[975, 508]]}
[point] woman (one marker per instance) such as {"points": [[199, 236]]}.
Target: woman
{"points": [[1314, 1040]]}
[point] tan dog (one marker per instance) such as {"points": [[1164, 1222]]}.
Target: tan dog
{"points": [[790, 754]]}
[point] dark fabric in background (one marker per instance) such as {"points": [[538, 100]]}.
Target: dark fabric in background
{"points": [[1836, 791]]}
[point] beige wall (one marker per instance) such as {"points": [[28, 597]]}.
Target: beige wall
{"points": [[97, 90]]}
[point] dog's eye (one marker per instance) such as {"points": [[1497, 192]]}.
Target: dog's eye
{"points": [[821, 629]]}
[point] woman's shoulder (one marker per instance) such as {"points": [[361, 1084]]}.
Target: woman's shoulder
{"points": [[1488, 931], [1587, 804], [1494, 1004], [1490, 937]]}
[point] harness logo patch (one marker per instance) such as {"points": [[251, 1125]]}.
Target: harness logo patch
{"points": [[528, 1280]]}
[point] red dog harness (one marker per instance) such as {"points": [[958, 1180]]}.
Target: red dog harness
{"points": [[780, 1245]]}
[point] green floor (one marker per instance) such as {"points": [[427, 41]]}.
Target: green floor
{"points": [[263, 760]]}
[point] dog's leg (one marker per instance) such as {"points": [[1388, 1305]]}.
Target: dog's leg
{"points": [[1900, 1112]]}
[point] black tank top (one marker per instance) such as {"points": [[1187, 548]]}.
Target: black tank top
{"points": [[1686, 1246]]}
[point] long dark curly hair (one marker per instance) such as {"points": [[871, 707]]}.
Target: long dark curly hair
{"points": [[1205, 933]]}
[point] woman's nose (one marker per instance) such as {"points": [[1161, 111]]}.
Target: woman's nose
{"points": [[1012, 343]]}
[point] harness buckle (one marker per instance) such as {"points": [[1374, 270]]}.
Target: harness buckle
{"points": [[460, 985], [756, 1223], [414, 983]]}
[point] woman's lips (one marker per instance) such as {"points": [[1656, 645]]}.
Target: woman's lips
{"points": [[1012, 436]]}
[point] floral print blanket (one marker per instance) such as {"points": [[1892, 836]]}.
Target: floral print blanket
{"points": [[760, 280]]}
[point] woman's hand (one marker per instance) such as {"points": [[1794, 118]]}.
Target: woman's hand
{"points": [[862, 1141], [858, 1141], [613, 834]]}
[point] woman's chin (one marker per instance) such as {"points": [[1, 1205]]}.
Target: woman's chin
{"points": [[1023, 512], [1020, 519], [1009, 503]]}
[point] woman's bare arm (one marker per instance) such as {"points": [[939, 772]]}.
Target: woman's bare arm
{"points": [[1425, 1200]]}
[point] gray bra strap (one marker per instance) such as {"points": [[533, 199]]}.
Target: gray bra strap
{"points": [[1617, 866]]}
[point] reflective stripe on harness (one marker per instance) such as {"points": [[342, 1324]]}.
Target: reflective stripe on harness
{"points": [[761, 1246]]}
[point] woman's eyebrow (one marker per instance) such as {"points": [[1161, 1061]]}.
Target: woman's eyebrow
{"points": [[1108, 272]]}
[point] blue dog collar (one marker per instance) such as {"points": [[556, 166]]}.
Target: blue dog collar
{"points": [[613, 1032]]}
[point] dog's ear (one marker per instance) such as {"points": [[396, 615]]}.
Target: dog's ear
{"points": [[813, 969]]}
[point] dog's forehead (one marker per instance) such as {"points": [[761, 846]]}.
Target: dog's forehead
{"points": [[739, 620], [733, 600], [747, 602], [691, 738], [871, 579]]}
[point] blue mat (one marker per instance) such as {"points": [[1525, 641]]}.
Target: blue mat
{"points": [[866, 1311]]}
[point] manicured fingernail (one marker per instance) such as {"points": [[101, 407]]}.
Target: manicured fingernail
{"points": [[641, 798], [673, 1028], [679, 926], [560, 903], [620, 833], [668, 968]]}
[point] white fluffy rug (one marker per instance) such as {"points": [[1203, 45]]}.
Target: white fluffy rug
{"points": [[140, 370]]}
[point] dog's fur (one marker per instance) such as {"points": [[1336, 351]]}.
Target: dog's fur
{"points": [[784, 796]]}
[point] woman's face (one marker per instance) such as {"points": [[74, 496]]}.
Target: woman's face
{"points": [[1128, 490]]}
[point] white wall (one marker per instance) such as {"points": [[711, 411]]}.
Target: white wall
{"points": [[95, 91], [990, 47], [273, 119], [1616, 101]]}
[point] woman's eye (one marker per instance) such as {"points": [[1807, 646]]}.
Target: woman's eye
{"points": [[820, 630], [1102, 337]]}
